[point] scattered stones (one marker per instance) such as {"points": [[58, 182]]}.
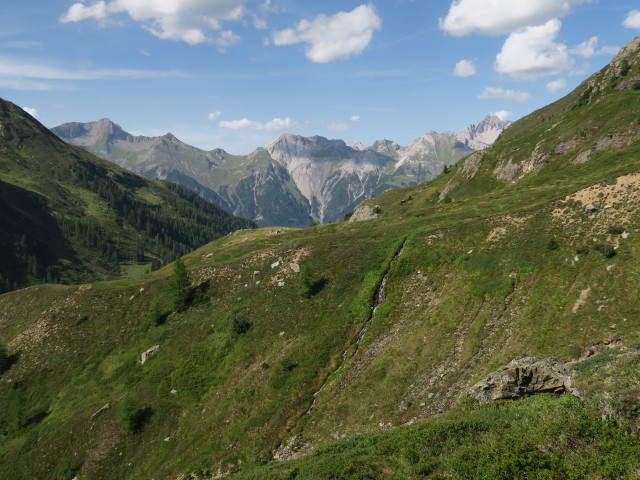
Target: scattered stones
{"points": [[275, 264], [100, 412], [167, 439], [256, 272], [281, 283], [584, 294], [525, 377], [625, 235], [208, 255], [295, 267], [174, 391], [590, 207], [597, 348], [149, 353], [610, 267]]}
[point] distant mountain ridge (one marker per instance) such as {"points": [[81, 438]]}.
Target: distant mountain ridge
{"points": [[292, 180]]}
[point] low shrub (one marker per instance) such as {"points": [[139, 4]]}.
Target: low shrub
{"points": [[605, 249]]}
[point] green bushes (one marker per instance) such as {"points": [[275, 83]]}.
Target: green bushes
{"points": [[239, 325], [5, 359], [134, 417], [616, 229], [605, 249]]}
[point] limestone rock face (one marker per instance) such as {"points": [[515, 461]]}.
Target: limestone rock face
{"points": [[365, 212], [149, 353], [524, 377]]}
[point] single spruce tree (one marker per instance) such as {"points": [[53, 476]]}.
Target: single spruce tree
{"points": [[179, 285], [305, 287]]}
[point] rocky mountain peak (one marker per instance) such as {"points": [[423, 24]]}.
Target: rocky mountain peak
{"points": [[482, 135], [104, 130], [359, 146]]}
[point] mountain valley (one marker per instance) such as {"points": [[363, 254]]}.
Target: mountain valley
{"points": [[483, 324]]}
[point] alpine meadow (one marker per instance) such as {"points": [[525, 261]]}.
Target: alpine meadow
{"points": [[465, 307]]}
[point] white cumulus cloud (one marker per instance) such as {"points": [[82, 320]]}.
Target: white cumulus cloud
{"points": [[632, 20], [335, 37], [498, 17], [337, 127], [497, 92], [246, 124], [31, 111], [79, 12], [532, 52], [190, 21], [355, 118], [589, 48], [464, 68], [502, 114], [556, 85], [214, 115]]}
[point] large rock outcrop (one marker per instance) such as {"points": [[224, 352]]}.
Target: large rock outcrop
{"points": [[525, 377]]}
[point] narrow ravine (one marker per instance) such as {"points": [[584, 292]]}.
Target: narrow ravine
{"points": [[378, 298]]}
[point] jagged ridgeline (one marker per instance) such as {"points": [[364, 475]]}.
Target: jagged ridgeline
{"points": [[294, 180], [382, 347], [67, 216]]}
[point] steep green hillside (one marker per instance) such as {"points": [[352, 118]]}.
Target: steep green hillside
{"points": [[67, 216], [278, 366]]}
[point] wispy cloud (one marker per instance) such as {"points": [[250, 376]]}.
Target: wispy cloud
{"points": [[557, 85], [34, 75], [337, 127], [589, 48], [245, 124], [214, 115], [506, 94]]}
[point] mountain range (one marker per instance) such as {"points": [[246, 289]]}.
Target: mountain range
{"points": [[293, 180]]}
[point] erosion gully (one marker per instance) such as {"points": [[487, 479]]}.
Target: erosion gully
{"points": [[378, 298]]}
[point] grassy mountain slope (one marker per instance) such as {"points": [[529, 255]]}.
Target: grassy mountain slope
{"points": [[490, 268], [68, 216]]}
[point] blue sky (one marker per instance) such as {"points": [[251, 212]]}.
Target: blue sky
{"points": [[234, 74]]}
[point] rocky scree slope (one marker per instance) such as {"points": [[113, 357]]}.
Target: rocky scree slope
{"points": [[294, 179], [540, 265]]}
